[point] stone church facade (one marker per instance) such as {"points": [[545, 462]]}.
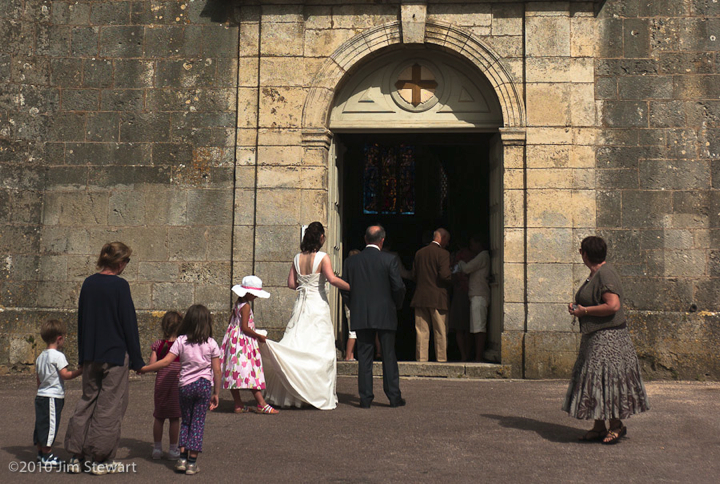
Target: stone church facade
{"points": [[206, 133]]}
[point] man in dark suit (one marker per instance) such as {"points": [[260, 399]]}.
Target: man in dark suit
{"points": [[431, 271], [376, 294]]}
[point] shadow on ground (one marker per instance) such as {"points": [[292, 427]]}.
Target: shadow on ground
{"points": [[548, 431]]}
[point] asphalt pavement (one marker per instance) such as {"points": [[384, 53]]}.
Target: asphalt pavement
{"points": [[451, 430]]}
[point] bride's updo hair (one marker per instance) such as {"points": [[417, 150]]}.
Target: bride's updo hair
{"points": [[312, 241]]}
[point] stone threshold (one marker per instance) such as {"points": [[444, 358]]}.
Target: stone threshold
{"points": [[471, 371]]}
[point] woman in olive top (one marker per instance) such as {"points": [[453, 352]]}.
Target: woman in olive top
{"points": [[108, 346], [606, 381]]}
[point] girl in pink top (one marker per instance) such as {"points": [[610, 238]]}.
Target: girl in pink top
{"points": [[199, 366]]}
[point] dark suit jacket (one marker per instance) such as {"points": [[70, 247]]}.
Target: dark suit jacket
{"points": [[432, 277], [376, 290]]}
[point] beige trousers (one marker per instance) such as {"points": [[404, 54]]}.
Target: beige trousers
{"points": [[94, 429], [439, 319]]}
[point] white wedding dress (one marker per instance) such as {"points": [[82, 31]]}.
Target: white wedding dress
{"points": [[301, 368]]}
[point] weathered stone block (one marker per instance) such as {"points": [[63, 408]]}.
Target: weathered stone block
{"points": [[85, 41], [314, 205], [364, 16], [164, 41], [122, 100], [209, 207], [286, 238], [625, 114], [676, 174], [73, 208], [279, 177], [550, 245], [80, 99], [507, 19], [547, 36], [547, 105], [126, 208], [187, 243], [549, 283], [165, 206], [219, 243], [584, 37], [322, 43], [552, 354], [560, 69], [138, 127], [278, 207], [128, 176], [172, 296], [214, 297], [513, 283], [280, 155], [121, 41], [281, 107], [282, 39], [550, 317], [71, 13], [220, 40]]}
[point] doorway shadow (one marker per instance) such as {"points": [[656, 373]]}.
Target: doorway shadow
{"points": [[549, 431]]}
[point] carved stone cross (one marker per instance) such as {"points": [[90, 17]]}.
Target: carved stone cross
{"points": [[416, 84]]}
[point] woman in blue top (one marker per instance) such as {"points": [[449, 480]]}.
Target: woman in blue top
{"points": [[108, 346]]}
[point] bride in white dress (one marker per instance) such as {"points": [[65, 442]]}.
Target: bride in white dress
{"points": [[301, 368]]}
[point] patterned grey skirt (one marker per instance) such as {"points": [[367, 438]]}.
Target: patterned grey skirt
{"points": [[606, 380]]}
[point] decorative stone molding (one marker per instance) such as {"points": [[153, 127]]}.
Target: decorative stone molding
{"points": [[513, 136], [413, 18], [317, 138], [319, 101]]}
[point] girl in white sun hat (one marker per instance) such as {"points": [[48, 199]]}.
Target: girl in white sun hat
{"points": [[242, 364]]}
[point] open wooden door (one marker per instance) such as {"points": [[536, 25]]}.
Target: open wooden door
{"points": [[334, 245], [495, 323]]}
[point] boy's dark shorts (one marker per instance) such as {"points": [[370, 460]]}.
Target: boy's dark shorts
{"points": [[47, 420]]}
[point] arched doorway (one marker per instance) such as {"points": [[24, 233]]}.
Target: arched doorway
{"points": [[335, 117], [412, 130]]}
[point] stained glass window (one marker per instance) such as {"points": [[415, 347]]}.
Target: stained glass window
{"points": [[389, 180]]}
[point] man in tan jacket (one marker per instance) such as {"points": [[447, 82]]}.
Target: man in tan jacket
{"points": [[431, 271]]}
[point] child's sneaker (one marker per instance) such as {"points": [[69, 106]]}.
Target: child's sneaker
{"points": [[50, 460], [74, 466], [192, 468], [181, 464], [173, 454], [157, 453]]}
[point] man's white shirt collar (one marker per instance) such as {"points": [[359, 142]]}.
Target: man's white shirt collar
{"points": [[438, 243], [373, 245]]}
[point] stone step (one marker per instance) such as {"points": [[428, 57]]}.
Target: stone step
{"points": [[474, 371]]}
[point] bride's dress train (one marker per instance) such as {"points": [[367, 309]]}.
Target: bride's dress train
{"points": [[301, 368]]}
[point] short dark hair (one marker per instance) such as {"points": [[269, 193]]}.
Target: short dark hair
{"points": [[594, 248], [112, 255], [312, 240], [197, 324], [51, 330], [170, 323], [374, 234]]}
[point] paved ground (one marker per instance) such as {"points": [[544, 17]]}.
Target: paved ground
{"points": [[450, 430]]}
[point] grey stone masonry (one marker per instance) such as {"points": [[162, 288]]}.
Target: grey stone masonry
{"points": [[117, 122]]}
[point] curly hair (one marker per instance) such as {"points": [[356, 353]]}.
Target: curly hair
{"points": [[312, 241]]}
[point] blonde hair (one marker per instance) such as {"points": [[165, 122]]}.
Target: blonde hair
{"points": [[51, 330], [112, 255]]}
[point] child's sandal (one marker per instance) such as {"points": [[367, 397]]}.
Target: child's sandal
{"points": [[267, 410], [243, 409]]}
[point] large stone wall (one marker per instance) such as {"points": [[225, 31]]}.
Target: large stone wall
{"points": [[658, 174], [117, 122], [178, 128]]}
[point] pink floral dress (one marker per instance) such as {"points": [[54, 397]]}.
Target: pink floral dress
{"points": [[242, 365]]}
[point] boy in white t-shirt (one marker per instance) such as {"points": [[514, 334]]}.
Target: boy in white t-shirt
{"points": [[51, 370]]}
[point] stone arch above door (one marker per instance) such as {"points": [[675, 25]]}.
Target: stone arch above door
{"points": [[320, 98], [420, 88]]}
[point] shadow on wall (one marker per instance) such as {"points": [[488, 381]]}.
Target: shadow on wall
{"points": [[219, 11]]}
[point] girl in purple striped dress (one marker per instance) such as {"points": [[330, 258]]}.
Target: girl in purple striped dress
{"points": [[167, 399]]}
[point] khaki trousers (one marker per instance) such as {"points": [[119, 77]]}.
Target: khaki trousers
{"points": [[94, 429], [439, 319]]}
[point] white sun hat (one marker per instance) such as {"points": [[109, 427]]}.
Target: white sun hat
{"points": [[252, 285]]}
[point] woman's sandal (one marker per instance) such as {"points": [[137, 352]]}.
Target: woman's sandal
{"points": [[593, 436], [267, 410], [243, 409], [615, 435]]}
